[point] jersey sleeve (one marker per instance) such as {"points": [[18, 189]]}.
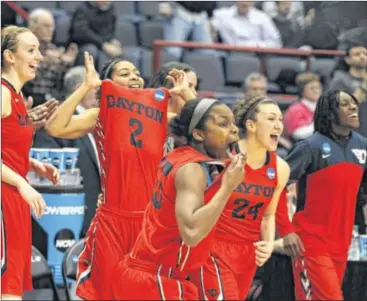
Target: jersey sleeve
{"points": [[298, 159]]}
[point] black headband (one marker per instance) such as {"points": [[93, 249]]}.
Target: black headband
{"points": [[110, 66], [202, 107]]}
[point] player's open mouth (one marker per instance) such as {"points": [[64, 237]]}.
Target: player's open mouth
{"points": [[134, 86], [354, 116], [234, 148], [274, 137], [33, 67]]}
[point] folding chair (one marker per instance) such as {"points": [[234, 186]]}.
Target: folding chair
{"points": [[69, 266], [41, 270]]}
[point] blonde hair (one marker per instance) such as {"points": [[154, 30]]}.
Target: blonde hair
{"points": [[9, 39], [305, 78]]}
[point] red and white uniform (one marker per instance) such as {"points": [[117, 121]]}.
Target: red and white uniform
{"points": [[229, 272], [16, 233], [130, 135], [160, 264]]}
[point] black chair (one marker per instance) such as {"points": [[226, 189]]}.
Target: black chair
{"points": [[69, 265], [41, 271]]}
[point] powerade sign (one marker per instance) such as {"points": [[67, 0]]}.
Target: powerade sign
{"points": [[64, 210]]}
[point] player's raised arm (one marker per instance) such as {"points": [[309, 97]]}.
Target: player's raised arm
{"points": [[63, 124], [181, 86]]}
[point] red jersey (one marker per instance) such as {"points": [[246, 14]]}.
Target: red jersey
{"points": [[242, 216], [16, 134], [130, 135], [160, 240]]}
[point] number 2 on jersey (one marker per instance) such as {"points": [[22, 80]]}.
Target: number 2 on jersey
{"points": [[137, 128], [238, 212]]}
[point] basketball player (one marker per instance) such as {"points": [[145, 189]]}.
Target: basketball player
{"points": [[64, 124], [20, 58], [328, 167], [184, 208], [244, 235], [130, 131], [162, 78], [159, 79]]}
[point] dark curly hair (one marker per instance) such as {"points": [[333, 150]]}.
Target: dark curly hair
{"points": [[159, 78], [246, 109], [326, 111]]}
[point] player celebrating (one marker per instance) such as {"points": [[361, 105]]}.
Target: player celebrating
{"points": [[250, 211], [328, 167], [20, 58], [130, 131], [175, 238]]}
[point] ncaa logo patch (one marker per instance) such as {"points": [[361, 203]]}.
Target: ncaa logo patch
{"points": [[326, 149], [159, 95], [270, 173]]}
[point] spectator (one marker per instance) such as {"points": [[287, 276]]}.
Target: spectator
{"points": [[289, 29], [88, 159], [296, 11], [298, 119], [353, 76], [93, 28], [50, 73], [255, 85], [355, 36], [317, 33], [73, 78], [244, 25], [185, 18]]}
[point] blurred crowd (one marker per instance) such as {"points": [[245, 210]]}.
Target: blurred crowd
{"points": [[67, 29]]}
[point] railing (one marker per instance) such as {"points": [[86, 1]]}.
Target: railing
{"points": [[280, 98], [159, 44], [19, 10], [261, 52]]}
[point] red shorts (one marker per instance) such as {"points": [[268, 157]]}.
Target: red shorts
{"points": [[318, 278], [141, 280], [229, 272], [16, 243], [318, 275], [110, 236]]}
